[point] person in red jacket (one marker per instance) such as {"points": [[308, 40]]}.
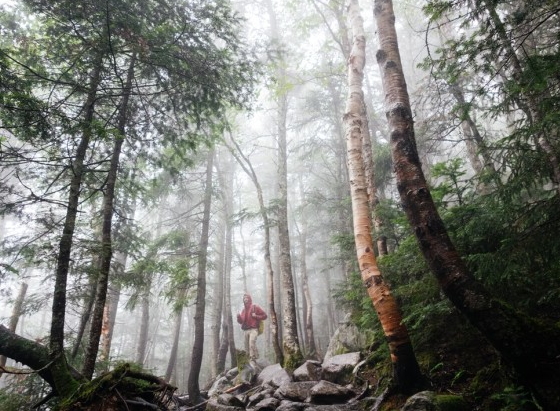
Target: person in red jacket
{"points": [[249, 318]]}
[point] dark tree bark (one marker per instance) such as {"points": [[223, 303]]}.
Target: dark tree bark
{"points": [[406, 372], [171, 364], [228, 316], [290, 342], [114, 291], [56, 342], [55, 371], [311, 349], [106, 242], [532, 348], [109, 318], [218, 309], [198, 345], [144, 327], [14, 319], [86, 315]]}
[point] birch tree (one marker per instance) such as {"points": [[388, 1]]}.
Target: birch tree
{"points": [[521, 341], [406, 372]]}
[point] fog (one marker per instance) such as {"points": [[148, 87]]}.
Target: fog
{"points": [[158, 213]]}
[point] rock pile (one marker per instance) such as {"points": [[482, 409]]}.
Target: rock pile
{"points": [[314, 386]]}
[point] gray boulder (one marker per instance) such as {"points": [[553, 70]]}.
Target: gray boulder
{"points": [[308, 371], [286, 405], [219, 386], [430, 401], [267, 404], [339, 369], [325, 392], [295, 391], [347, 338], [213, 405], [231, 400], [273, 375]]}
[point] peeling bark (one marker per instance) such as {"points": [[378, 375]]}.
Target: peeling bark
{"points": [[532, 348]]}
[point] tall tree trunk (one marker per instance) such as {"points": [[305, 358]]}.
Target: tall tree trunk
{"points": [[56, 341], [198, 345], [106, 243], [343, 222], [109, 318], [406, 372], [307, 301], [14, 319], [218, 318], [88, 297], [114, 291], [246, 165], [144, 327], [532, 348], [228, 316], [290, 342], [227, 341], [86, 315], [218, 309], [171, 364], [63, 382]]}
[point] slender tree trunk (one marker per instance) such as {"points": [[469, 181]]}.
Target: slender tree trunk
{"points": [[171, 364], [106, 243], [63, 382], [86, 315], [218, 309], [144, 327], [224, 344], [270, 297], [290, 342], [307, 301], [532, 348], [114, 291], [88, 296], [56, 342], [109, 318], [406, 372], [243, 258], [292, 351], [198, 345], [14, 319], [227, 342], [228, 316], [218, 318], [343, 222]]}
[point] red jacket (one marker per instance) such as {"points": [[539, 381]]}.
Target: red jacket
{"points": [[246, 317]]}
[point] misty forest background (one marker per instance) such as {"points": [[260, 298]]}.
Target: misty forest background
{"points": [[190, 138]]}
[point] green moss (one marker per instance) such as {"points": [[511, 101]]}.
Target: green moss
{"points": [[451, 403], [242, 359], [127, 382], [292, 361]]}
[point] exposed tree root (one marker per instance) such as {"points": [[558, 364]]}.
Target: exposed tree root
{"points": [[121, 389]]}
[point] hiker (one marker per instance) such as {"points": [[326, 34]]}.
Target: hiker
{"points": [[250, 318]]}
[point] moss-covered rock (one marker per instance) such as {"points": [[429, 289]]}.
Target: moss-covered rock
{"points": [[450, 403], [431, 401]]}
